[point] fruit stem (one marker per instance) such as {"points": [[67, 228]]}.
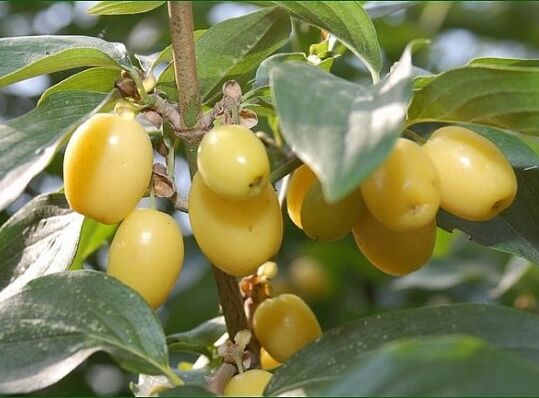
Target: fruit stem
{"points": [[183, 48]]}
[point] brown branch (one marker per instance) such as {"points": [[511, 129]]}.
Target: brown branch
{"points": [[183, 47]]}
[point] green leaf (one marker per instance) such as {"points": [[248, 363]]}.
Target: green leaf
{"points": [[341, 348], [528, 63], [92, 236], [187, 391], [438, 366], [262, 73], [233, 49], [341, 130], [516, 229], [348, 21], [99, 80], [122, 7], [59, 320], [41, 238], [200, 339], [28, 56], [499, 95], [29, 142]]}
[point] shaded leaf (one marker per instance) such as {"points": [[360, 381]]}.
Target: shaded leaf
{"points": [[232, 50], [29, 142], [499, 95], [58, 320], [99, 80], [341, 130], [438, 366], [123, 7], [92, 236], [262, 73], [27, 56], [41, 238], [341, 348], [348, 21], [200, 339]]}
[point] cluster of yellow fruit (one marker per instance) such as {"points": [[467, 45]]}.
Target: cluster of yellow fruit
{"points": [[392, 213], [233, 209], [283, 325], [107, 168]]}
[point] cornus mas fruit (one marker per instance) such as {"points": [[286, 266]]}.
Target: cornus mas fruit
{"points": [[476, 178], [267, 361], [233, 162], [326, 221], [146, 254], [250, 383], [235, 236], [404, 192], [107, 167], [318, 218], [393, 252], [284, 324]]}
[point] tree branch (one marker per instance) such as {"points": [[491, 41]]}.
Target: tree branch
{"points": [[183, 47]]}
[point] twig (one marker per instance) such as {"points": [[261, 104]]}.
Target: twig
{"points": [[191, 122]]}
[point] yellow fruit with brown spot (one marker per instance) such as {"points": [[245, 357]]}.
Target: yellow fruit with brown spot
{"points": [[233, 162], [404, 192], [477, 180]]}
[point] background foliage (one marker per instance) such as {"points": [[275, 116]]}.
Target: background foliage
{"points": [[460, 271]]}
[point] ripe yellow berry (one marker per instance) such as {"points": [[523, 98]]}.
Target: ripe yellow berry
{"points": [[107, 167], [250, 383], [233, 162], [395, 253], [301, 180], [267, 362], [326, 221], [146, 254], [235, 236], [476, 178], [404, 192], [284, 324]]}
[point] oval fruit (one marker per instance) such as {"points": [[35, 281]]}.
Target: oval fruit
{"points": [[477, 180], [395, 253], [250, 383], [233, 162], [309, 278], [267, 362], [284, 324], [235, 236], [326, 221], [146, 254], [300, 181], [404, 192], [107, 167]]}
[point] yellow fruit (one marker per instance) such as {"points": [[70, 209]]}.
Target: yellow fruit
{"points": [[267, 361], [250, 383], [476, 178], [404, 192], [284, 324], [146, 254], [235, 236], [395, 253], [301, 180], [309, 278], [329, 221], [107, 167], [233, 162]]}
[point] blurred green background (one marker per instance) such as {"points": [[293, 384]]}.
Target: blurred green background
{"points": [[334, 278]]}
